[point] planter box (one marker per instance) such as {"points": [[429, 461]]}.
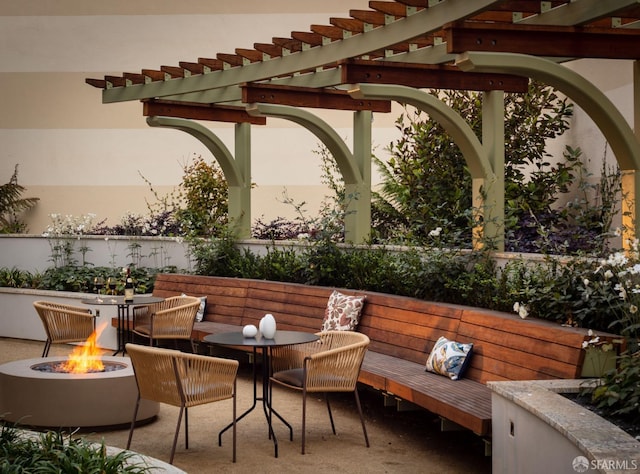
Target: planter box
{"points": [[535, 429]]}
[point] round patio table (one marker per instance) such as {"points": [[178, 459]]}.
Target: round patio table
{"points": [[281, 338]]}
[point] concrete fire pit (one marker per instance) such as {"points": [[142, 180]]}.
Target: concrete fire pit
{"points": [[64, 400]]}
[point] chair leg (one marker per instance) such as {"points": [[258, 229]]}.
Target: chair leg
{"points": [[304, 417], [175, 437], [234, 420], [326, 398], [133, 422], [47, 345], [186, 427], [364, 428]]}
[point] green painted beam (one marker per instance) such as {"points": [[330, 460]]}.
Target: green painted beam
{"points": [[460, 131], [484, 176], [237, 172], [321, 129], [593, 101], [596, 104], [354, 167], [494, 190]]}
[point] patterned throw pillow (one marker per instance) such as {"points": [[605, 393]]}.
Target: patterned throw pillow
{"points": [[449, 358], [342, 312]]}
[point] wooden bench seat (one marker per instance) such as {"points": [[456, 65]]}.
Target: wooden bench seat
{"points": [[402, 331]]}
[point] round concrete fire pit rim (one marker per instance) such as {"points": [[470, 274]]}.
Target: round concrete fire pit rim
{"points": [[24, 368]]}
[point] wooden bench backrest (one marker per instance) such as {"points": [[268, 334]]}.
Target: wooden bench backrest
{"points": [[505, 346], [509, 348]]}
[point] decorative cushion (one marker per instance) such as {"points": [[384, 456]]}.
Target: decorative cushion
{"points": [[203, 305], [342, 312], [449, 358]]}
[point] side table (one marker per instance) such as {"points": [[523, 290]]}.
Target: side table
{"points": [[281, 338]]}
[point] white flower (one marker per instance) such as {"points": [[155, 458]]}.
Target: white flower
{"points": [[521, 309], [586, 282], [618, 232], [303, 236], [633, 309], [523, 312], [608, 275], [435, 232]]}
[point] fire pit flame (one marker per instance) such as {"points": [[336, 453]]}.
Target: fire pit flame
{"points": [[85, 358]]}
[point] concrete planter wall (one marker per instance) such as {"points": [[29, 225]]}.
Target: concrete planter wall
{"points": [[33, 252], [535, 429]]}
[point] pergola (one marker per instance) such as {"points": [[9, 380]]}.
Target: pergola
{"points": [[392, 52]]}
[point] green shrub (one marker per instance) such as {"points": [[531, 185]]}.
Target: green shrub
{"points": [[51, 452]]}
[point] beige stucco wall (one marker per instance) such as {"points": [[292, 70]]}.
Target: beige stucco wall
{"points": [[80, 156]]}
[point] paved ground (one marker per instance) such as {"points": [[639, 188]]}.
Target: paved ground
{"points": [[401, 442]]}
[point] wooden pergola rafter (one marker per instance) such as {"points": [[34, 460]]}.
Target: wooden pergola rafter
{"points": [[415, 44]]}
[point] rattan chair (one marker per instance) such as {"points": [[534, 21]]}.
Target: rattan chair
{"points": [[172, 318], [331, 364], [64, 323], [182, 380]]}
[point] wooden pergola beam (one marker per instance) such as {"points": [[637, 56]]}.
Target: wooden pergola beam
{"points": [[544, 41], [194, 111], [310, 97], [425, 76]]}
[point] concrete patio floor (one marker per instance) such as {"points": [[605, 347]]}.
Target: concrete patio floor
{"points": [[401, 442]]}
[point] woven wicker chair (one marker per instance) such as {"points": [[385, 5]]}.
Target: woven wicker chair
{"points": [[182, 380], [172, 318], [64, 323], [331, 364]]}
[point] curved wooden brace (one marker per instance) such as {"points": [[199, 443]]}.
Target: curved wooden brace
{"points": [[222, 154], [327, 135], [463, 136], [597, 105]]}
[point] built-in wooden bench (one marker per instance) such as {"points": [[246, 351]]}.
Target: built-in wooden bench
{"points": [[402, 331]]}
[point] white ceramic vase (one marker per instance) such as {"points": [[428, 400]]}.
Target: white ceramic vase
{"points": [[268, 326], [249, 330]]}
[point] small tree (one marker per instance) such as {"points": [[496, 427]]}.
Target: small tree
{"points": [[204, 195], [12, 205]]}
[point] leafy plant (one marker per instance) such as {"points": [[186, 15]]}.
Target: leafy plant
{"points": [[12, 205], [53, 452], [204, 194], [619, 390]]}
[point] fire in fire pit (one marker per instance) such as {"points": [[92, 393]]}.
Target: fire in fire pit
{"points": [[62, 367], [72, 392], [85, 359]]}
